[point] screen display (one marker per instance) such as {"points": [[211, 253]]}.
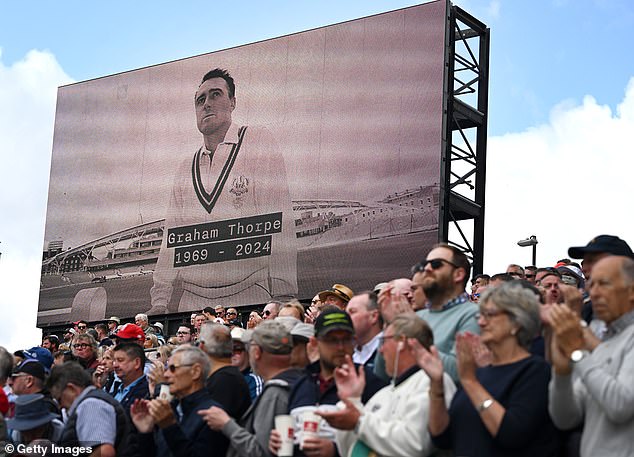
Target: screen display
{"points": [[272, 169]]}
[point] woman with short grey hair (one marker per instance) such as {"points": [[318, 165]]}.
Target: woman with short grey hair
{"points": [[521, 305], [502, 408]]}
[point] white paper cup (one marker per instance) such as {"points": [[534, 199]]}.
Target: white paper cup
{"points": [[310, 426], [284, 424], [164, 392]]}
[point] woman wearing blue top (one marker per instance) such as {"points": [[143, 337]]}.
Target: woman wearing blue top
{"points": [[501, 409]]}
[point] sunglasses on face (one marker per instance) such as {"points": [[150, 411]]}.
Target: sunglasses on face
{"points": [[267, 313], [81, 327], [172, 368], [435, 264]]}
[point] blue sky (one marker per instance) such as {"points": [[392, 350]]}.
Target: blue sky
{"points": [[560, 121]]}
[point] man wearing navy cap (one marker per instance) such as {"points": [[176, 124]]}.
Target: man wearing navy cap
{"points": [[334, 337], [597, 248], [28, 378]]}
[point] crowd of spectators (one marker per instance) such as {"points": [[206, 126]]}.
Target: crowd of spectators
{"points": [[531, 361]]}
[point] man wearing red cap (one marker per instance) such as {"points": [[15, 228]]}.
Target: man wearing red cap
{"points": [[130, 333]]}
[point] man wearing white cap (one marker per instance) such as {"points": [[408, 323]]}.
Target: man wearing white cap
{"points": [[240, 360]]}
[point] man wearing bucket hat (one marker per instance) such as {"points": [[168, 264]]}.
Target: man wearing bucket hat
{"points": [[269, 347], [338, 295], [113, 325], [33, 420]]}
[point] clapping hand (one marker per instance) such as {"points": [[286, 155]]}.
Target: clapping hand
{"points": [[428, 360], [141, 417], [466, 361], [392, 303]]}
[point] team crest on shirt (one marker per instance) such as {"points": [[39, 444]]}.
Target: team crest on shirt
{"points": [[239, 187]]}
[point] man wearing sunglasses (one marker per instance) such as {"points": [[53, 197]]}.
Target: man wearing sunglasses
{"points": [[81, 326], [225, 383], [177, 429], [28, 378], [271, 310], [449, 311]]}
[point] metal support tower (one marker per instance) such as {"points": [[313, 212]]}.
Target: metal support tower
{"points": [[463, 165]]}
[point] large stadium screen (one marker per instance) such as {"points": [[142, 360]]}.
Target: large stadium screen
{"points": [[272, 169]]}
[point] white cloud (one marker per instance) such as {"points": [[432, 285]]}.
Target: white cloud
{"points": [[493, 10], [566, 182], [28, 90]]}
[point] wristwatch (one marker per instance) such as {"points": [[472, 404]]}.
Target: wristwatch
{"points": [[578, 355], [486, 404]]}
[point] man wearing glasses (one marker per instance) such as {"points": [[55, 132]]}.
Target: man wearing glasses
{"points": [[529, 273], [82, 326], [184, 334], [178, 429], [394, 421], [449, 311], [516, 271], [28, 378], [232, 315]]}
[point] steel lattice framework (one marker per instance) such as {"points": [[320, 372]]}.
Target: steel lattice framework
{"points": [[463, 165]]}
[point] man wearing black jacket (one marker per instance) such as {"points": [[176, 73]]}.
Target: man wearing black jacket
{"points": [[177, 429], [335, 337]]}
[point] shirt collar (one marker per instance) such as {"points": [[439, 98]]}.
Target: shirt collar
{"points": [[231, 137], [617, 326], [124, 390], [460, 299], [406, 374], [367, 349]]}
